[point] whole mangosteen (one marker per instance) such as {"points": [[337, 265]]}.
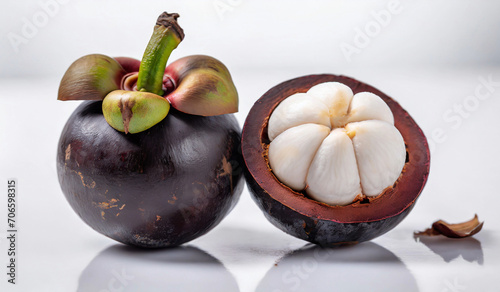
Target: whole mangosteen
{"points": [[137, 170]]}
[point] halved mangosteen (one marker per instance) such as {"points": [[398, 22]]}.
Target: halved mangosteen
{"points": [[332, 160]]}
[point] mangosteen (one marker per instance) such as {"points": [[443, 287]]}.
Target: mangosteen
{"points": [[161, 187], [152, 157], [332, 160]]}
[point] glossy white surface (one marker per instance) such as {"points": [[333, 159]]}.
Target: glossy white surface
{"points": [[440, 89], [58, 252]]}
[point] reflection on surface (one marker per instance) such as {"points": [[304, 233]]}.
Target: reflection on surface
{"points": [[122, 268], [451, 248], [244, 244], [363, 267]]}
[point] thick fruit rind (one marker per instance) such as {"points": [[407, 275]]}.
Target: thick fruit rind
{"points": [[159, 188], [316, 222]]}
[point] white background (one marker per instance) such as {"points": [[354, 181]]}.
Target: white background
{"points": [[429, 55]]}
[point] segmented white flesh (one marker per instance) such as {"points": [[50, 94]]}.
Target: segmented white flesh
{"points": [[380, 152], [333, 175], [297, 109], [334, 144], [291, 153]]}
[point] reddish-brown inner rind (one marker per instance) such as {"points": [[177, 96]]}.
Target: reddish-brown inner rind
{"points": [[394, 200]]}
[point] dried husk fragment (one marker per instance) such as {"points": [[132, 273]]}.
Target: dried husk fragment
{"points": [[457, 230]]}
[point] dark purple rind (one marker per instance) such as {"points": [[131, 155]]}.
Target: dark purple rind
{"points": [[326, 233], [320, 223], [158, 188]]}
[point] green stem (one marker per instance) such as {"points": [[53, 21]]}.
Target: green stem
{"points": [[166, 36]]}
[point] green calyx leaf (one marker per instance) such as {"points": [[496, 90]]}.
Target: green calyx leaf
{"points": [[134, 111], [137, 111], [91, 77]]}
